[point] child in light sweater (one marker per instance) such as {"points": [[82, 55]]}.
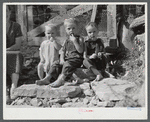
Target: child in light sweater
{"points": [[49, 53]]}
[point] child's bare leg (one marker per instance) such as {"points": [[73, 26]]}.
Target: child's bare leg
{"points": [[97, 73], [44, 81], [60, 81], [88, 64], [41, 70]]}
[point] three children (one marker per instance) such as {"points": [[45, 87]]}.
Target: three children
{"points": [[71, 57]]}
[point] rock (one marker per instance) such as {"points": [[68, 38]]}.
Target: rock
{"points": [[140, 96], [91, 105], [75, 100], [86, 89], [93, 101], [127, 102], [27, 101], [33, 90], [34, 102], [15, 101], [72, 91], [102, 104], [68, 99], [20, 101], [61, 101], [120, 104], [85, 101], [45, 102], [40, 103], [110, 89], [140, 37], [85, 86], [67, 105], [88, 92], [77, 104], [56, 106], [49, 104], [110, 104], [26, 90]]}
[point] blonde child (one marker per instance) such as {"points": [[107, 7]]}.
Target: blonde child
{"points": [[72, 52], [94, 50], [49, 53]]}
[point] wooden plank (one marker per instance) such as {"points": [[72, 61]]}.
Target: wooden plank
{"points": [[138, 21], [93, 16], [60, 19], [30, 17], [21, 18], [111, 22], [12, 52]]}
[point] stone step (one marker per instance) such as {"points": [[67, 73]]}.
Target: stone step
{"points": [[33, 90]]}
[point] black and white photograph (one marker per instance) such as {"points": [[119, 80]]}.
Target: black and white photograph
{"points": [[75, 60]]}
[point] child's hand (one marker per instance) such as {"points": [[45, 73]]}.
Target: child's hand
{"points": [[100, 55], [72, 38], [93, 56], [62, 61], [51, 39]]}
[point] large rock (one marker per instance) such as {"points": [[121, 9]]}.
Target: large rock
{"points": [[33, 90], [112, 89], [27, 90]]}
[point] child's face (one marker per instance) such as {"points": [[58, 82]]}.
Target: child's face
{"points": [[92, 32], [50, 33], [71, 28]]}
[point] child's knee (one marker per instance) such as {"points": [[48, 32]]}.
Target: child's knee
{"points": [[40, 65]]}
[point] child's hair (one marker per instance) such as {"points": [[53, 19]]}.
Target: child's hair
{"points": [[92, 24], [51, 26], [71, 20]]}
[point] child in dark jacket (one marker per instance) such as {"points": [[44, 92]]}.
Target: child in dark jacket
{"points": [[94, 58]]}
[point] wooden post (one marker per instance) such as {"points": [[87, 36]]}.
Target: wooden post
{"points": [[30, 17], [93, 13], [21, 18], [111, 21], [128, 34]]}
